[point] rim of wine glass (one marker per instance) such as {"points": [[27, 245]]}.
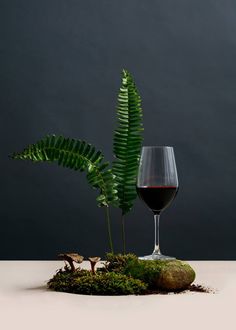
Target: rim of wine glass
{"points": [[157, 147]]}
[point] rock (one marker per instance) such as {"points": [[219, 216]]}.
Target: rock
{"points": [[175, 275], [168, 275]]}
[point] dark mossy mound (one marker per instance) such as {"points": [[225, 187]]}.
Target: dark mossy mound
{"points": [[101, 283], [123, 275]]}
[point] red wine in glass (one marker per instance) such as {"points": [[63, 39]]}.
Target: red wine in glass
{"points": [[157, 186], [157, 198]]}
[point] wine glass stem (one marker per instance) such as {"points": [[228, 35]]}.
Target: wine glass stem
{"points": [[157, 238]]}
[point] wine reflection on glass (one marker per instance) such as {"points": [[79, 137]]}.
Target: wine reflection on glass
{"points": [[157, 186]]}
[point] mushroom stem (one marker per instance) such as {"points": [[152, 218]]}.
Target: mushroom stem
{"points": [[72, 266], [93, 261], [93, 267]]}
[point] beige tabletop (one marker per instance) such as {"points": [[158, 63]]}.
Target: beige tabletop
{"points": [[26, 304]]}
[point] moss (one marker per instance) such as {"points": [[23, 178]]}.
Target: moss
{"points": [[84, 282], [117, 262], [145, 270], [63, 280], [129, 264], [109, 284]]}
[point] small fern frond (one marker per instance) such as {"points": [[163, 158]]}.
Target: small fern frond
{"points": [[76, 155]]}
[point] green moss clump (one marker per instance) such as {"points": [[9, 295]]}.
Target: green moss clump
{"points": [[129, 264], [145, 270], [117, 262], [109, 284], [63, 280], [101, 283]]}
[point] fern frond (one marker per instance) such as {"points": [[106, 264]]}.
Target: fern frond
{"points": [[127, 142], [76, 155]]}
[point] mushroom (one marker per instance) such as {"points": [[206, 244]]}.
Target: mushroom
{"points": [[93, 261], [70, 258]]}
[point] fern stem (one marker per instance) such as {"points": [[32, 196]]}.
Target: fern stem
{"points": [[123, 232], [109, 229]]}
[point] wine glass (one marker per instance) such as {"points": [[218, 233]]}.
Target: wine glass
{"points": [[157, 186]]}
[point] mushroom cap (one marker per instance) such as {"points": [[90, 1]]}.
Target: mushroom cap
{"points": [[72, 256], [94, 259]]}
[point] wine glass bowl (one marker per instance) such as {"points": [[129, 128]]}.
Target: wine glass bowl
{"points": [[157, 186]]}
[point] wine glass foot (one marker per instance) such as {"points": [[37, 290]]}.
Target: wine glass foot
{"points": [[157, 257]]}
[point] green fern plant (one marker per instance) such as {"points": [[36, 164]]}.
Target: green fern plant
{"points": [[76, 155], [116, 185], [127, 145]]}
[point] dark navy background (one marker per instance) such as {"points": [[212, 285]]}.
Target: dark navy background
{"points": [[60, 73]]}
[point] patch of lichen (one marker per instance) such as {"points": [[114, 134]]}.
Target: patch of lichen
{"points": [[101, 283]]}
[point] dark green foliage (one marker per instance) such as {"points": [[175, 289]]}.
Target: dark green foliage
{"points": [[76, 155], [127, 142], [104, 283], [117, 262]]}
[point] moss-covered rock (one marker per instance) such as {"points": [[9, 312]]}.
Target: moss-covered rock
{"points": [[169, 275], [176, 275], [101, 283]]}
